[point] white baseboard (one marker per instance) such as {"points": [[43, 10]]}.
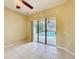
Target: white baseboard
{"points": [[66, 50], [14, 44]]}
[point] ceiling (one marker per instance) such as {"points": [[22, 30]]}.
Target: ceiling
{"points": [[39, 5]]}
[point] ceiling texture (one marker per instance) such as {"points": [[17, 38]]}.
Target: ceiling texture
{"points": [[39, 5]]}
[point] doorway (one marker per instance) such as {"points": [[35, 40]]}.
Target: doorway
{"points": [[44, 31]]}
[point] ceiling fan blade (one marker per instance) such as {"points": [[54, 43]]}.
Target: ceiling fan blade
{"points": [[31, 7], [18, 7]]}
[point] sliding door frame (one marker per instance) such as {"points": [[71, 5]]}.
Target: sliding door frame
{"points": [[45, 30], [38, 31]]}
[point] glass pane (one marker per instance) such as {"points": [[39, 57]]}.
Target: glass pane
{"points": [[35, 30], [51, 31], [42, 30]]}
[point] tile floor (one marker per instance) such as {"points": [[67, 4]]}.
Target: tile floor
{"points": [[35, 50]]}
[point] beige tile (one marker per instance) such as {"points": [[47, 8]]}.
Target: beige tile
{"points": [[36, 51]]}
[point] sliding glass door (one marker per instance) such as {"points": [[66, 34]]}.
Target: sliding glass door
{"points": [[34, 31], [51, 32], [44, 31]]}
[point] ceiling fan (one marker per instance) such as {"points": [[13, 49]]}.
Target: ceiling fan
{"points": [[18, 2]]}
